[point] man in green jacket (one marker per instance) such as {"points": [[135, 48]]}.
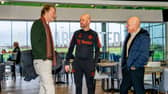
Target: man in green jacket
{"points": [[43, 49]]}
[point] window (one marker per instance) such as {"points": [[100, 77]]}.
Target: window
{"points": [[62, 32], [19, 32], [157, 37], [53, 32], [5, 34], [29, 25]]}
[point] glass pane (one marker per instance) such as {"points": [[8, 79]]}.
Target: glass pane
{"points": [[157, 37], [62, 34], [74, 26], [19, 33], [158, 48], [158, 42], [93, 26], [29, 25], [114, 34], [98, 29], [53, 31], [5, 34], [157, 31], [115, 37]]}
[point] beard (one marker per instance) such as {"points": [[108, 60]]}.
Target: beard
{"points": [[82, 26]]}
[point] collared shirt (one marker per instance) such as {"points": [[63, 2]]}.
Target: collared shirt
{"points": [[130, 39]]}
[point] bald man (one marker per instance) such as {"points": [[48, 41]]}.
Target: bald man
{"points": [[135, 55], [87, 46]]}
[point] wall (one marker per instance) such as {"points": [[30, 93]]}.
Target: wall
{"points": [[73, 14]]}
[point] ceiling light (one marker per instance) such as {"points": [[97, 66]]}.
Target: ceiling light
{"points": [[92, 6], [2, 2], [56, 5]]}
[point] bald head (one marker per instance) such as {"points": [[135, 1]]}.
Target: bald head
{"points": [[85, 21], [86, 16], [133, 24]]}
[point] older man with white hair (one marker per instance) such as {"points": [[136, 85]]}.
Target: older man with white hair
{"points": [[135, 55]]}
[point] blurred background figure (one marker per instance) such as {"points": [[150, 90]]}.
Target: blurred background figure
{"points": [[16, 54], [3, 51]]}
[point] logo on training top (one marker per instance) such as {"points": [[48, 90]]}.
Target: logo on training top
{"points": [[90, 37], [80, 35]]}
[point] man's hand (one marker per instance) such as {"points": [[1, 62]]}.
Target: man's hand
{"points": [[66, 68], [133, 68]]}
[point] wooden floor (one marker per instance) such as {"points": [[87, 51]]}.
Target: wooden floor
{"points": [[22, 87]]}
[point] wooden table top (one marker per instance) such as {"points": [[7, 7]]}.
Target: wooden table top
{"points": [[107, 64], [153, 69]]}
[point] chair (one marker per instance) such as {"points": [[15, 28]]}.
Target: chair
{"points": [[150, 78], [2, 71], [13, 67], [111, 78], [9, 61], [58, 70], [28, 68], [164, 82]]}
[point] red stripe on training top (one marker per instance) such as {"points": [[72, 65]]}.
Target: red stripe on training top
{"points": [[73, 70], [92, 74]]}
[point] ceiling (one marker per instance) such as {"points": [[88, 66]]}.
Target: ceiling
{"points": [[104, 4], [70, 10]]}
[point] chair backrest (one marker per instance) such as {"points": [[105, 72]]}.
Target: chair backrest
{"points": [[27, 65], [153, 64], [26, 57], [60, 64], [148, 77]]}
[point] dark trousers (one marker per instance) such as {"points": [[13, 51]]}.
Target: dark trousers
{"points": [[13, 69], [133, 78], [20, 69], [84, 68]]}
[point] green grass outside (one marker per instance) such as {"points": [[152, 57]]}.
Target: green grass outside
{"points": [[158, 55]]}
